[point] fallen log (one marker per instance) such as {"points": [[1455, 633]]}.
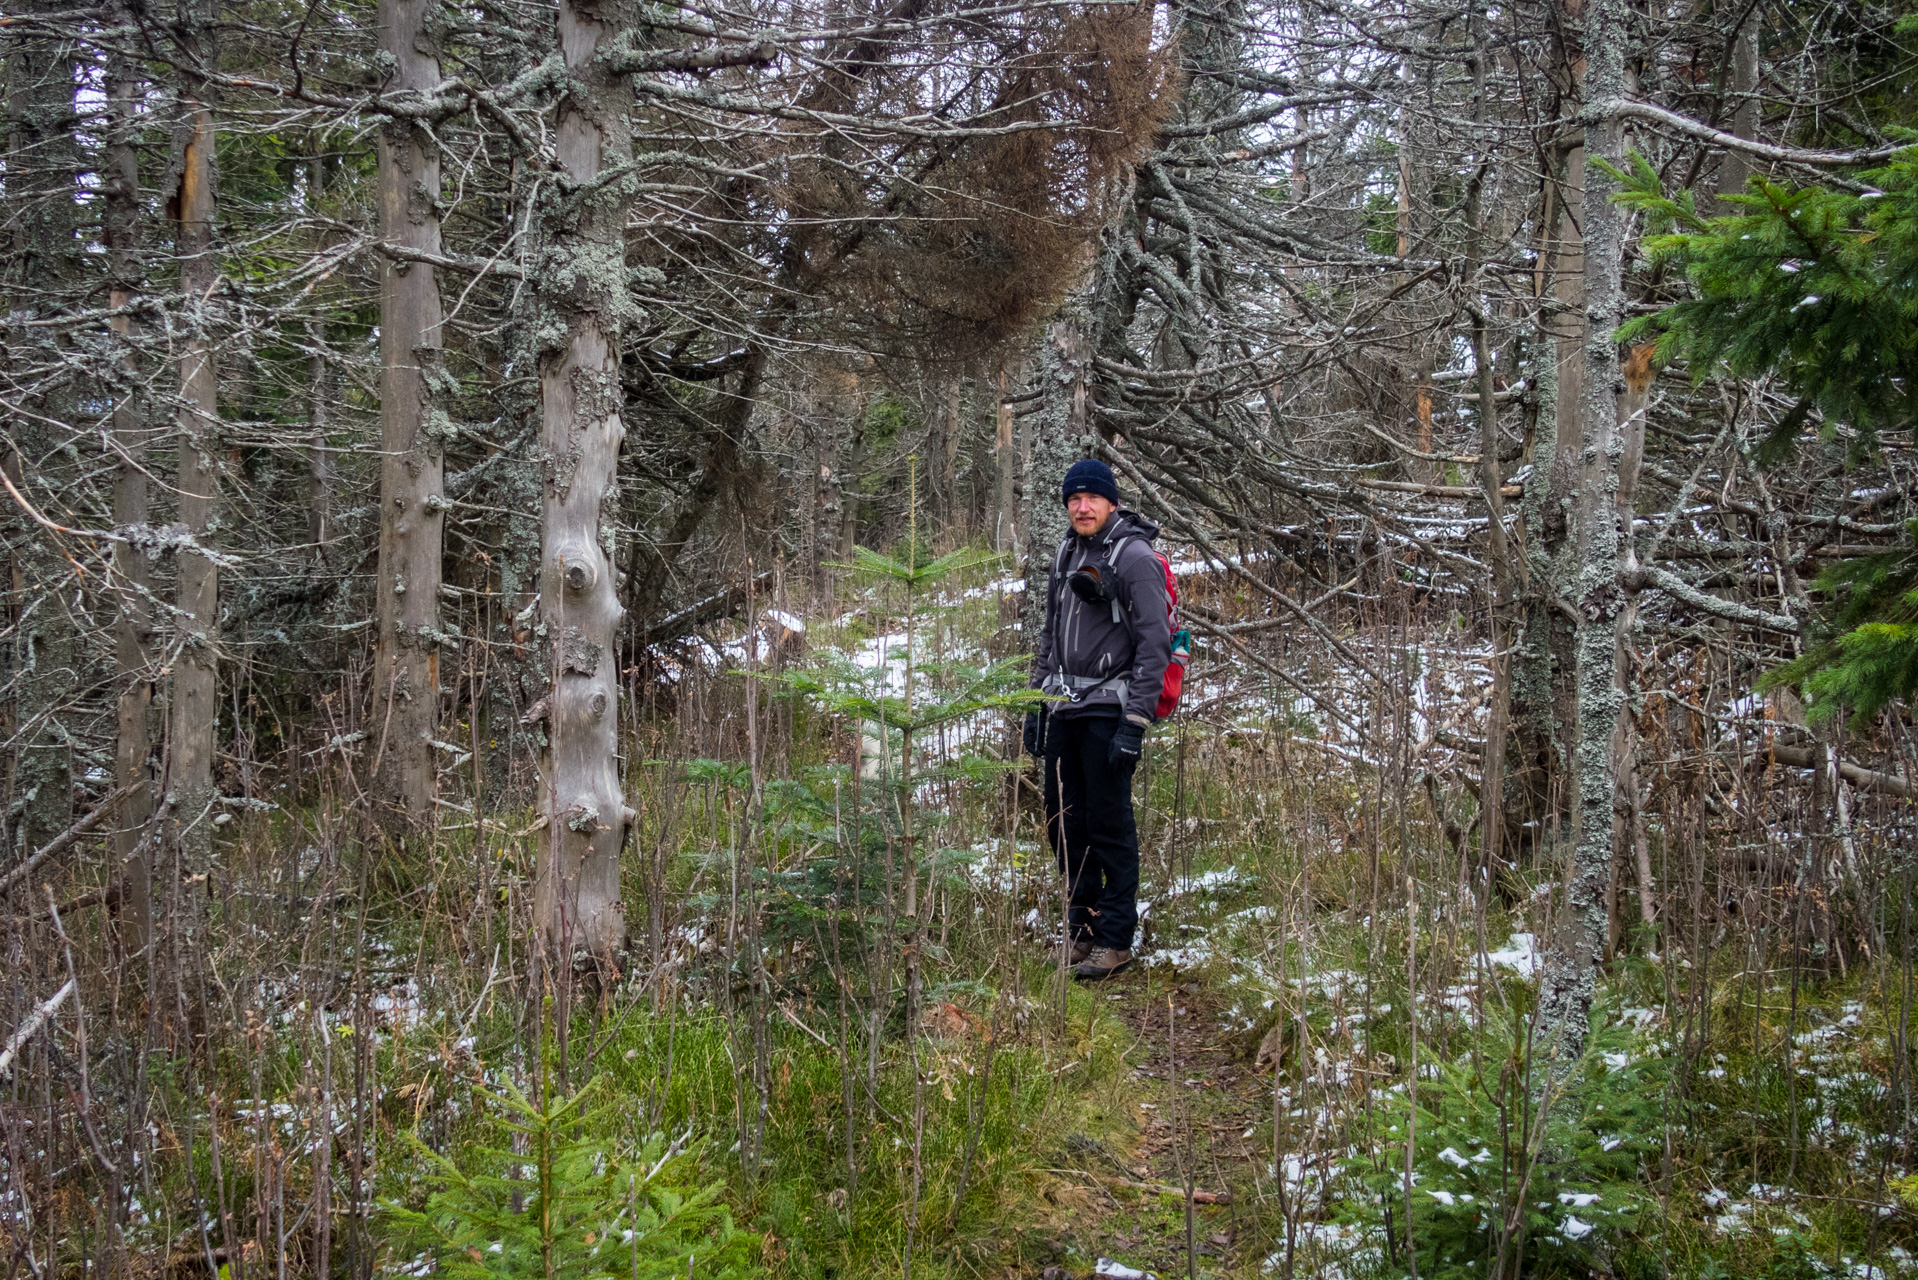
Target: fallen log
{"points": [[35, 1020], [697, 614], [1888, 784]]}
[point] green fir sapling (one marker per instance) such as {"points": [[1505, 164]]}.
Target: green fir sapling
{"points": [[574, 1205]]}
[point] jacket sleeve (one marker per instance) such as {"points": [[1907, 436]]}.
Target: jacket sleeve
{"points": [[1151, 635]]}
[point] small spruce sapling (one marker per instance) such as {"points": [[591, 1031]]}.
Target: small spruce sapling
{"points": [[1483, 1171], [902, 698], [572, 1206]]}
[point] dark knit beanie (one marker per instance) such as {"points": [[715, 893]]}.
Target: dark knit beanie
{"points": [[1089, 475]]}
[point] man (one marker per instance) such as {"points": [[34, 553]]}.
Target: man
{"points": [[1104, 650]]}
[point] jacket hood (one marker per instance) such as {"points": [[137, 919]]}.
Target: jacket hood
{"points": [[1124, 523]]}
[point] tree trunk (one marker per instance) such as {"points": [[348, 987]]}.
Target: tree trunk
{"points": [[1628, 807], [412, 473], [1058, 440], [193, 696], [942, 466], [1005, 525], [582, 282], [1492, 481], [1571, 964], [133, 623], [1542, 658], [319, 458], [516, 672], [1735, 168], [41, 179], [852, 473]]}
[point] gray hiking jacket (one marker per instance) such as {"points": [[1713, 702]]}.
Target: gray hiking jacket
{"points": [[1082, 645]]}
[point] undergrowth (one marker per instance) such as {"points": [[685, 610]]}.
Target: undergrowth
{"points": [[769, 1088]]}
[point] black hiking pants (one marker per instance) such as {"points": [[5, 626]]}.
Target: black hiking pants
{"points": [[1089, 821]]}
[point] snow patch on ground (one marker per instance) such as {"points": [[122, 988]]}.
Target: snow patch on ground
{"points": [[1520, 954]]}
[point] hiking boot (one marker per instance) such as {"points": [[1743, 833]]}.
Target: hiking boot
{"points": [[1103, 963], [1075, 952]]}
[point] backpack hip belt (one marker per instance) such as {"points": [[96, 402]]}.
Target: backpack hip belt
{"points": [[1075, 688]]}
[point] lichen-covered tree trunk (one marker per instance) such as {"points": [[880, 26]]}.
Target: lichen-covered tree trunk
{"points": [[1567, 984], [583, 299], [412, 471], [1541, 705], [193, 694], [41, 176], [133, 622], [1058, 440]]}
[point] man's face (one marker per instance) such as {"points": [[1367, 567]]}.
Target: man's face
{"points": [[1089, 512]]}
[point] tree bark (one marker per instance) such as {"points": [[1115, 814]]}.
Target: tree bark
{"points": [[1736, 167], [1005, 524], [1628, 808], [942, 466], [584, 299], [412, 429], [1492, 481], [1541, 708], [1058, 440], [1567, 984], [193, 695], [132, 579], [319, 458], [42, 174]]}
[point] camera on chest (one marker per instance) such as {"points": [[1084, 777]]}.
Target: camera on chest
{"points": [[1095, 582]]}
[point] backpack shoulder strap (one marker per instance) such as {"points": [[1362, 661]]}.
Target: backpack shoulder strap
{"points": [[1115, 553], [1055, 585], [1164, 564]]}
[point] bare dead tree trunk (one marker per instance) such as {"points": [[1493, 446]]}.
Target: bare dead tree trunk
{"points": [[1735, 168], [1634, 407], [1492, 481], [1571, 966], [193, 695], [133, 624], [412, 472], [583, 295], [852, 464]]}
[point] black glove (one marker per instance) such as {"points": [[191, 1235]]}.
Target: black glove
{"points": [[1126, 743], [1035, 734]]}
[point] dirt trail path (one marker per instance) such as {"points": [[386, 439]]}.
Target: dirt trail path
{"points": [[1192, 1102]]}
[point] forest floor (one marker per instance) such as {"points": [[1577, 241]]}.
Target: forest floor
{"points": [[1190, 1109], [1739, 1109], [1191, 1115]]}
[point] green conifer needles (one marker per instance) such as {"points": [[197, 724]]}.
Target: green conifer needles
{"points": [[1813, 286], [1868, 655], [1817, 288], [570, 1206]]}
